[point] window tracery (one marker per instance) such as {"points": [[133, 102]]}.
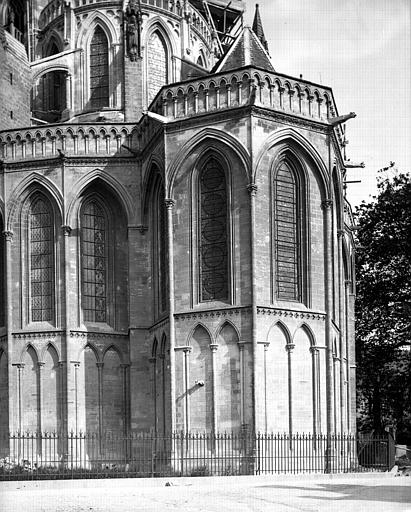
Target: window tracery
{"points": [[213, 232], [99, 75], [288, 254], [94, 248], [41, 254]]}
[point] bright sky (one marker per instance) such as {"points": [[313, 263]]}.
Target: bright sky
{"points": [[362, 49]]}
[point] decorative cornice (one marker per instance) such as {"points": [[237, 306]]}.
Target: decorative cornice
{"points": [[211, 313], [37, 335], [291, 118], [86, 335], [290, 314]]}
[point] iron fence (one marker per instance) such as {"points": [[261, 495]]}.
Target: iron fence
{"points": [[90, 455]]}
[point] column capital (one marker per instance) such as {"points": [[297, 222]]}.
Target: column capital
{"points": [[8, 235], [169, 203], [340, 233], [99, 364], [213, 347], [252, 189], [314, 350], [327, 204], [40, 364], [289, 347], [66, 229]]}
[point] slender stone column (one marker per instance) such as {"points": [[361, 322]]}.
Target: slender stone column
{"points": [[213, 348], [187, 351], [327, 208], [153, 361], [266, 346], [347, 353], [171, 308], [8, 236], [126, 398], [40, 366], [316, 391], [289, 348], [100, 398], [341, 322], [252, 190], [66, 340]]}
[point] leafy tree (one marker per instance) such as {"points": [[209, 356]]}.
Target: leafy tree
{"points": [[383, 308]]}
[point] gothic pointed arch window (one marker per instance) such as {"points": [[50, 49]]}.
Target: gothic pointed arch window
{"points": [[289, 233], [41, 259], [99, 70], [157, 64], [94, 260], [213, 232]]}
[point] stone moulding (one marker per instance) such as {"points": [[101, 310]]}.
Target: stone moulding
{"points": [[290, 313]]}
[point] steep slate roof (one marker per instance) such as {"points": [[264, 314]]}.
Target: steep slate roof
{"points": [[247, 50], [258, 28]]}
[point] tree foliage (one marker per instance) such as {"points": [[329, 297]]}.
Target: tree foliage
{"points": [[383, 307]]}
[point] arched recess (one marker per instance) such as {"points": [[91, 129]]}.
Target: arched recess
{"points": [[220, 141], [305, 371], [99, 179], [37, 224], [48, 95], [297, 143], [164, 386], [159, 50], [102, 225], [52, 398], [275, 389], [200, 413], [155, 216], [4, 402], [13, 17], [28, 185], [30, 396], [228, 385], [88, 406], [99, 63], [113, 397]]}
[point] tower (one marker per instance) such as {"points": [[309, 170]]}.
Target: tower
{"points": [[177, 247]]}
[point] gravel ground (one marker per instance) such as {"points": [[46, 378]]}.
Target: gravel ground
{"points": [[229, 494]]}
